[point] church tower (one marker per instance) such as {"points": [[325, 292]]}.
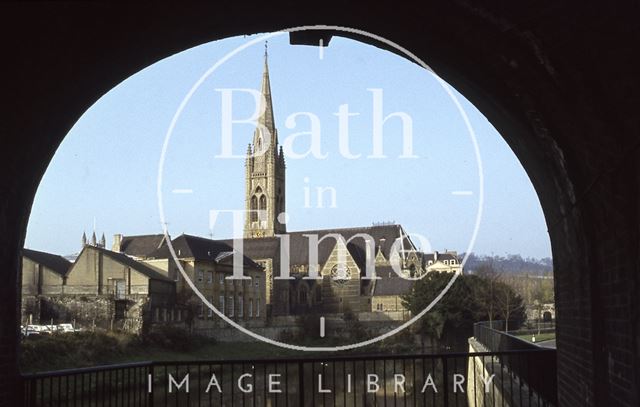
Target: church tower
{"points": [[265, 171]]}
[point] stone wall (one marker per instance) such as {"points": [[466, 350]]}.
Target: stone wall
{"points": [[90, 312]]}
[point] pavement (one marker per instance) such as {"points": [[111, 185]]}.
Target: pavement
{"points": [[547, 344]]}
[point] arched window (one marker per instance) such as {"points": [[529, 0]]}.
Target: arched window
{"points": [[263, 202], [254, 208], [259, 146]]}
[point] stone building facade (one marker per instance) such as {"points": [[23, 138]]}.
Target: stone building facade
{"points": [[43, 274], [207, 264], [141, 289]]}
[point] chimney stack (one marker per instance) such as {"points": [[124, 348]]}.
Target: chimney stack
{"points": [[117, 243]]}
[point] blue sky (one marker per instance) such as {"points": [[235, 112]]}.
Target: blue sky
{"points": [[106, 168]]}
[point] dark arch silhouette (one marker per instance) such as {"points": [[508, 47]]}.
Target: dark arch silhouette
{"points": [[557, 80]]}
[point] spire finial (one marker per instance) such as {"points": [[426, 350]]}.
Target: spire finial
{"points": [[266, 45]]}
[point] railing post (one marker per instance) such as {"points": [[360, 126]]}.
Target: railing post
{"points": [[300, 384], [445, 373], [149, 389], [32, 384]]}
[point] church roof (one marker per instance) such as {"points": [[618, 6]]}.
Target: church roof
{"points": [[200, 248], [390, 283], [269, 247], [141, 245], [57, 264]]}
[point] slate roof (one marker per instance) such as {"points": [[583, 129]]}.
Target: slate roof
{"points": [[200, 248], [141, 245], [134, 264], [390, 283], [57, 264], [269, 247]]}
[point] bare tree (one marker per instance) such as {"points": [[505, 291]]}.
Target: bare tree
{"points": [[486, 293], [508, 302]]}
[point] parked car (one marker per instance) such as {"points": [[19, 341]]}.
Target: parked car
{"points": [[65, 328], [31, 330]]}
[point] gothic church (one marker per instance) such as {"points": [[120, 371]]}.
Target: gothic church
{"points": [[341, 285]]}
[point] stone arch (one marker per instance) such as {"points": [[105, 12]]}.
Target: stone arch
{"points": [[567, 116]]}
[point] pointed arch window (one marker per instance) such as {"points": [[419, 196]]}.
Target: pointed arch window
{"points": [[263, 202], [254, 208]]}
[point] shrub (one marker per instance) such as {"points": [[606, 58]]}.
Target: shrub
{"points": [[174, 338]]}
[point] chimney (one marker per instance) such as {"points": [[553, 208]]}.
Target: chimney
{"points": [[117, 243]]}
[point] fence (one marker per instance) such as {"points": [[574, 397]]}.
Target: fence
{"points": [[406, 380], [536, 372]]}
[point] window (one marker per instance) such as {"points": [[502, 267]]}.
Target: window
{"points": [[157, 315], [221, 278], [452, 262], [177, 273], [231, 306], [250, 308], [200, 276], [210, 313], [119, 288], [210, 277], [221, 303], [257, 308], [164, 315], [257, 282], [201, 313], [446, 262], [240, 306], [254, 209], [179, 315]]}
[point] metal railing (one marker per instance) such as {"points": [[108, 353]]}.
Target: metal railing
{"points": [[536, 372], [456, 379]]}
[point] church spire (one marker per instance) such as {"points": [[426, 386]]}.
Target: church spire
{"points": [[264, 169], [266, 105]]}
